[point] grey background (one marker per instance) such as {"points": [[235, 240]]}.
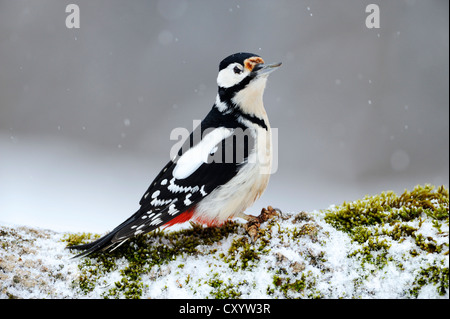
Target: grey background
{"points": [[86, 114]]}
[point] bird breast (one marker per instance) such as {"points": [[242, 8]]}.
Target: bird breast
{"points": [[244, 188]]}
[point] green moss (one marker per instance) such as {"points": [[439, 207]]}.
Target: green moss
{"points": [[241, 255], [375, 225], [436, 275], [388, 208], [373, 251], [377, 222], [295, 287], [310, 229], [147, 256], [79, 238], [222, 290], [142, 254], [364, 219]]}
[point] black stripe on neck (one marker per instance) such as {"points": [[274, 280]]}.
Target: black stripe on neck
{"points": [[226, 94], [229, 117], [236, 112], [253, 119]]}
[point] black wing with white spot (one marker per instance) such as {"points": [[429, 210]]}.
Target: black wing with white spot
{"points": [[199, 168]]}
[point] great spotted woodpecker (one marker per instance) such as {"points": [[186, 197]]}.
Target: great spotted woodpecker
{"points": [[220, 170]]}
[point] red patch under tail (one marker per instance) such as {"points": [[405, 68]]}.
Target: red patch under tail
{"points": [[189, 215], [182, 218]]}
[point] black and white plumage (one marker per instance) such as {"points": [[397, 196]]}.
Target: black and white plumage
{"points": [[220, 170]]}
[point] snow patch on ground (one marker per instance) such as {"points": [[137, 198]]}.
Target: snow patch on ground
{"points": [[317, 264]]}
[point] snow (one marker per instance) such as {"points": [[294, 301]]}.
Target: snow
{"points": [[36, 264]]}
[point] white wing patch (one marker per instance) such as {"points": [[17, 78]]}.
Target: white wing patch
{"points": [[187, 201], [172, 209], [174, 188], [190, 161], [202, 191], [159, 202]]}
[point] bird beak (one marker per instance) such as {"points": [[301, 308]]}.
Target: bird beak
{"points": [[265, 69]]}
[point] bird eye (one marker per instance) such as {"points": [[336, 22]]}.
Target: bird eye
{"points": [[237, 70]]}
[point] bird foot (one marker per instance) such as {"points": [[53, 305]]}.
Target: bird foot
{"points": [[254, 222]]}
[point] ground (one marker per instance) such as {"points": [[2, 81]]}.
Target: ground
{"points": [[382, 246]]}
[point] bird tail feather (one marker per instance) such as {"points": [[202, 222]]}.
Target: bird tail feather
{"points": [[96, 246], [104, 242]]}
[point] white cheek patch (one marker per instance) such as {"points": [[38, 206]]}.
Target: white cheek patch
{"points": [[227, 77], [190, 161]]}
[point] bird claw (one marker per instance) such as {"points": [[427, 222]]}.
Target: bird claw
{"points": [[252, 226]]}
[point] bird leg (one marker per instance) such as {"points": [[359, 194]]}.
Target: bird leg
{"points": [[254, 222]]}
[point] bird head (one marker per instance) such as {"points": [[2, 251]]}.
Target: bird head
{"points": [[241, 68], [242, 79]]}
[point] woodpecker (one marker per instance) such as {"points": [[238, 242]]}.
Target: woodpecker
{"points": [[222, 168]]}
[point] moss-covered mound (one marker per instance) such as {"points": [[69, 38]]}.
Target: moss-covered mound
{"points": [[408, 233], [382, 246]]}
